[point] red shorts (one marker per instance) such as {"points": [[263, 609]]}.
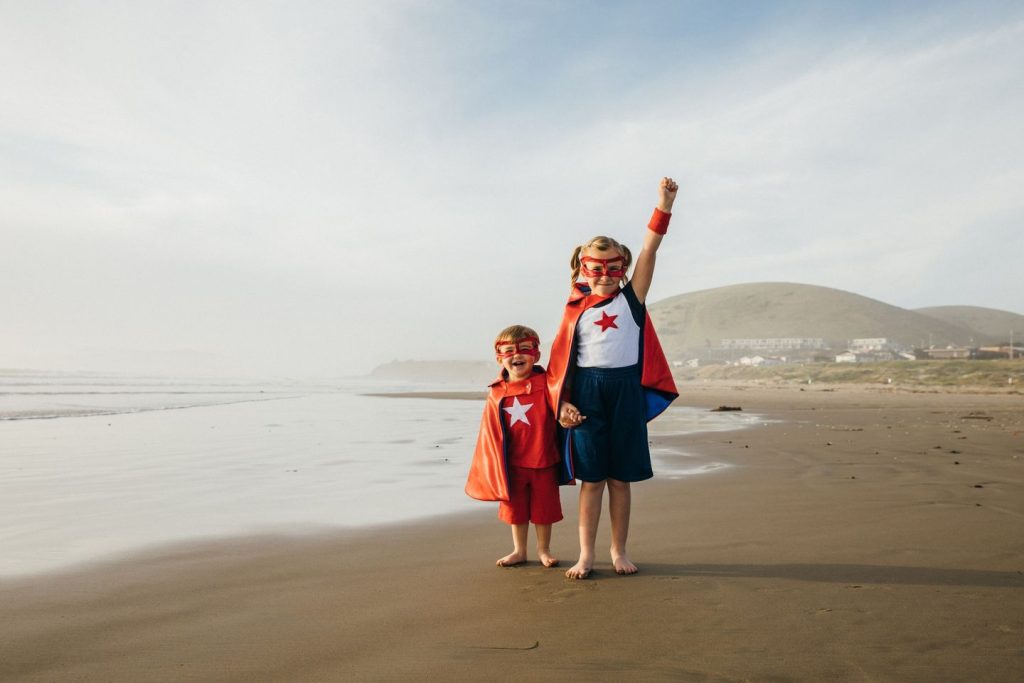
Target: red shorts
{"points": [[533, 496]]}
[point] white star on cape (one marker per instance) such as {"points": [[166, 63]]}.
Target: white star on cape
{"points": [[517, 411]]}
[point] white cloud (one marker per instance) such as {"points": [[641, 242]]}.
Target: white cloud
{"points": [[341, 180]]}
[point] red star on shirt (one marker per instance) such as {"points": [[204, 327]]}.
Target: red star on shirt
{"points": [[606, 321]]}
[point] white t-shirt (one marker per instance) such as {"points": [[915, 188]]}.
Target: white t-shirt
{"points": [[608, 334]]}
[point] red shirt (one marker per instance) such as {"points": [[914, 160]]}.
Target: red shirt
{"points": [[530, 423]]}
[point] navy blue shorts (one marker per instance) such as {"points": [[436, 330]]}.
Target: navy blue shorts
{"points": [[612, 441]]}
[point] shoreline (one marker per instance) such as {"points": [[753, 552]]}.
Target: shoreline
{"points": [[439, 395], [863, 535], [669, 466]]}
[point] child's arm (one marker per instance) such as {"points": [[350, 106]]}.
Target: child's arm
{"points": [[643, 274]]}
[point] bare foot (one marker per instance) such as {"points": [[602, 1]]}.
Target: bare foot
{"points": [[546, 558], [580, 570], [623, 565], [512, 559]]}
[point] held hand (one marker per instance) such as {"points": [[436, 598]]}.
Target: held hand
{"points": [[569, 415], [667, 189]]}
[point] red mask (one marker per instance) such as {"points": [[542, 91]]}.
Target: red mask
{"points": [[527, 346], [613, 267]]}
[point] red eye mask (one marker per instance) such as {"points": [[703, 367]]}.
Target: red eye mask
{"points": [[613, 267], [527, 346]]}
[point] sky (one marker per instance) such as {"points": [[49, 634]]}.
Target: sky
{"points": [[313, 188]]}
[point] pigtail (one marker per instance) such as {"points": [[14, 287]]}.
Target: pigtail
{"points": [[628, 256], [574, 263]]}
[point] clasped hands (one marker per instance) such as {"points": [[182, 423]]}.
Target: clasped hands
{"points": [[569, 415]]}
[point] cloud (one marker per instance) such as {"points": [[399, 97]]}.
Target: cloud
{"points": [[332, 186]]}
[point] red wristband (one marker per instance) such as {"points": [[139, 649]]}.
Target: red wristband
{"points": [[659, 222]]}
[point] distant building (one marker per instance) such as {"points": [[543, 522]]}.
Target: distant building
{"points": [[870, 344], [873, 356], [996, 352], [774, 343], [948, 353]]}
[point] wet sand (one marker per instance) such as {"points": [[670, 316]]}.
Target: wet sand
{"points": [[866, 535]]}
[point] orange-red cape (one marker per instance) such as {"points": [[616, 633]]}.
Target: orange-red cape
{"points": [[488, 473], [655, 377]]}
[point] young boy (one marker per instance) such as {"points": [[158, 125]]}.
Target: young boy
{"points": [[517, 459]]}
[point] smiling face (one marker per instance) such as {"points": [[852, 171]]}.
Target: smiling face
{"points": [[518, 356], [603, 269]]}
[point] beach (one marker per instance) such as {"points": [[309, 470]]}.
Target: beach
{"points": [[856, 534]]}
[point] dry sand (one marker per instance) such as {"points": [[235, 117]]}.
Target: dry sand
{"points": [[847, 545]]}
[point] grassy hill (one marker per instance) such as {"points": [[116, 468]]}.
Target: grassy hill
{"points": [[989, 375], [691, 324], [990, 322], [699, 320]]}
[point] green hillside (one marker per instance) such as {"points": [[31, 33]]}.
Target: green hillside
{"points": [[990, 322], [699, 320]]}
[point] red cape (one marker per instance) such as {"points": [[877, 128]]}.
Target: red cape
{"points": [[655, 376], [488, 472]]}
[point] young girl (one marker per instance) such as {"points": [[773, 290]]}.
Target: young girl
{"points": [[609, 377]]}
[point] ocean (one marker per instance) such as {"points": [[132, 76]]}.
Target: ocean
{"points": [[93, 466]]}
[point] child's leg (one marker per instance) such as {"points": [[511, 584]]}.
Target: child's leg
{"points": [[545, 510], [518, 554], [590, 513], [544, 545], [619, 502]]}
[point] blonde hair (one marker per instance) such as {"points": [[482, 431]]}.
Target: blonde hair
{"points": [[514, 333], [601, 243]]}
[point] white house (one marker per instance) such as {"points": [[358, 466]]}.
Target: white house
{"points": [[870, 344]]}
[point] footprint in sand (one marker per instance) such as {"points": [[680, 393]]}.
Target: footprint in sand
{"points": [[574, 591]]}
